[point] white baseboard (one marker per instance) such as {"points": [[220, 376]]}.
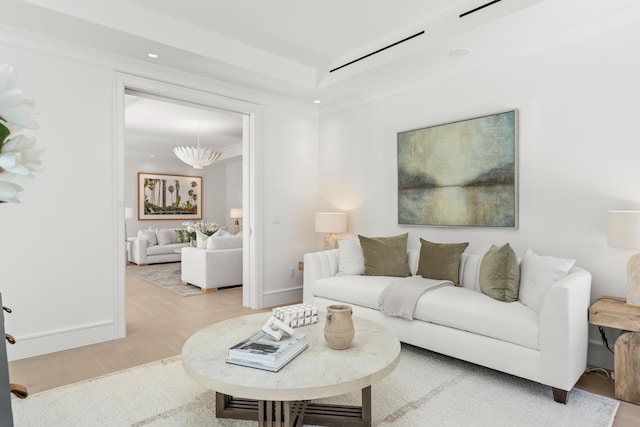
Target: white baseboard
{"points": [[282, 296], [61, 339]]}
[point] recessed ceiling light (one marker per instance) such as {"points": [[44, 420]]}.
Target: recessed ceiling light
{"points": [[317, 101], [457, 53], [152, 55]]}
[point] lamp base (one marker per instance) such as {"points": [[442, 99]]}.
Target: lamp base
{"points": [[633, 281], [330, 241], [236, 227]]}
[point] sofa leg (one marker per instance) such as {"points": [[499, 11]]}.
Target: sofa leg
{"points": [[184, 283], [209, 289], [560, 395]]}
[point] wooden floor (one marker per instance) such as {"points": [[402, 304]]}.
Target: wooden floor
{"points": [[158, 324]]}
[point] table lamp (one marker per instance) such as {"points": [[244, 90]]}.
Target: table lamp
{"points": [[236, 213], [331, 222], [128, 214], [624, 232]]}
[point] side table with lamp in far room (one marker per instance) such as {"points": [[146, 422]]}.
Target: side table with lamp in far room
{"points": [[613, 312]]}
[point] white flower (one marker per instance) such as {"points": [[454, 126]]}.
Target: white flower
{"points": [[20, 157], [12, 105], [8, 190]]}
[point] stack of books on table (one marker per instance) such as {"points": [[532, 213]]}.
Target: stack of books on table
{"points": [[262, 352]]}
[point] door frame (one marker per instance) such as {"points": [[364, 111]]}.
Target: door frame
{"points": [[252, 170]]}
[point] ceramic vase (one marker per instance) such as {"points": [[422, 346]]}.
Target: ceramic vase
{"points": [[338, 329]]}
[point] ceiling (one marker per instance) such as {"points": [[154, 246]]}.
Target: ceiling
{"points": [[288, 47], [154, 125]]}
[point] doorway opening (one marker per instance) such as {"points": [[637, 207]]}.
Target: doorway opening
{"points": [[239, 164]]}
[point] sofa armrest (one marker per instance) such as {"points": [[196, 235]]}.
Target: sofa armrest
{"points": [[563, 329], [212, 268], [138, 253], [316, 266]]}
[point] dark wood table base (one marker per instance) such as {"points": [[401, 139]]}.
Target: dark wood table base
{"points": [[275, 413]]}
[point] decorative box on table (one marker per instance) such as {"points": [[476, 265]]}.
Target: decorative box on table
{"points": [[297, 315]]}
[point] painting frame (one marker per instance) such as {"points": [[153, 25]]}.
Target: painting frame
{"points": [[155, 204], [460, 174]]}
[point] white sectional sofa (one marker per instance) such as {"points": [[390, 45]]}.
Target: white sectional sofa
{"points": [[548, 345], [219, 265], [155, 246]]}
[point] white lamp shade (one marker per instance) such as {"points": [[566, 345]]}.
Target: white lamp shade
{"points": [[624, 229], [235, 213], [331, 222], [128, 213]]}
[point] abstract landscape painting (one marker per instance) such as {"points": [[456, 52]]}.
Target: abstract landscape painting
{"points": [[460, 174]]}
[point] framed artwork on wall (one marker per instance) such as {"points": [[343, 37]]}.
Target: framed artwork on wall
{"points": [[163, 196], [463, 173]]}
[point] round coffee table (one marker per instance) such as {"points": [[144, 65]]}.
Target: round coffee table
{"points": [[281, 398]]}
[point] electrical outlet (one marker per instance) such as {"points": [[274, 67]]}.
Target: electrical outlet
{"points": [[292, 272]]}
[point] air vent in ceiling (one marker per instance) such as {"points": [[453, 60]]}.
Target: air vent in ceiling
{"points": [[476, 9], [378, 51]]}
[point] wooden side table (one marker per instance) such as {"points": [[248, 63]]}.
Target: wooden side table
{"points": [[612, 312]]}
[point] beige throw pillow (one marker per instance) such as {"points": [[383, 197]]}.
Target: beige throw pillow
{"points": [[385, 256], [440, 261], [500, 273]]}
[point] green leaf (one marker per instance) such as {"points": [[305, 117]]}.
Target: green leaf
{"points": [[4, 133]]}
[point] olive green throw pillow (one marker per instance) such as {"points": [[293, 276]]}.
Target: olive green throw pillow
{"points": [[500, 273], [440, 261], [385, 256]]}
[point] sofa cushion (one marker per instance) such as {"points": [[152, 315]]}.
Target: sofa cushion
{"points": [[165, 249], [385, 256], [500, 273], [472, 311], [440, 261], [350, 256], [149, 235], [166, 236], [537, 273], [358, 290], [224, 242]]}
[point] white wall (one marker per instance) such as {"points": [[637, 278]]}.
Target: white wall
{"points": [[290, 189], [234, 192], [579, 150], [214, 189], [60, 267]]}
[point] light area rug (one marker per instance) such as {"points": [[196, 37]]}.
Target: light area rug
{"points": [[426, 389], [166, 275]]}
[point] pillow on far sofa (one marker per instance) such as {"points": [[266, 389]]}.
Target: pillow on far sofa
{"points": [[183, 235], [537, 274], [350, 256], [500, 273], [385, 256], [166, 236], [149, 235], [440, 261]]}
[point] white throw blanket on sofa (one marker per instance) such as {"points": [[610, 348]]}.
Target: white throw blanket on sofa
{"points": [[399, 298]]}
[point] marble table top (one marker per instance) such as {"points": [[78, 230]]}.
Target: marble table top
{"points": [[317, 372]]}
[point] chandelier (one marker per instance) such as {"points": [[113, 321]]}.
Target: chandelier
{"points": [[198, 157]]}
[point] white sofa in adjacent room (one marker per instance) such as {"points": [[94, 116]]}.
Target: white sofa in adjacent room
{"points": [[153, 246], [217, 266], [544, 341]]}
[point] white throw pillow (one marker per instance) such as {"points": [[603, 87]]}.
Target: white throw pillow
{"points": [[149, 235], [350, 256], [225, 242], [537, 274], [221, 233], [166, 236], [201, 240]]}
